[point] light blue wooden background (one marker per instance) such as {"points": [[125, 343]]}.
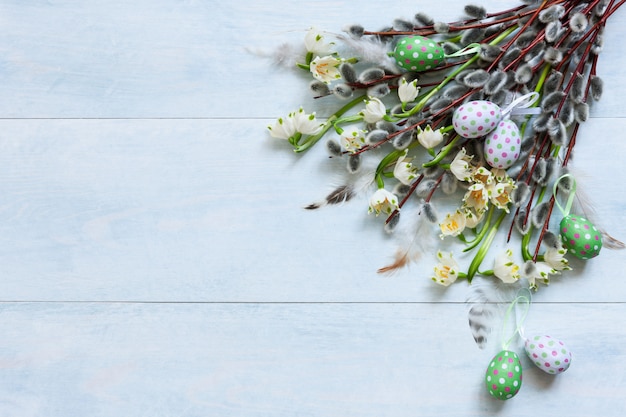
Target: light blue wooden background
{"points": [[156, 260]]}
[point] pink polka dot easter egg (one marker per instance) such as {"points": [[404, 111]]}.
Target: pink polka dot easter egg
{"points": [[549, 354], [580, 237], [503, 377], [502, 145], [417, 53], [476, 118]]}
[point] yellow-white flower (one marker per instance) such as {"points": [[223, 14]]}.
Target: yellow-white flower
{"points": [[374, 111], [461, 167], [447, 270], [453, 224], [405, 171], [538, 271], [482, 175], [428, 137], [315, 43], [476, 197], [500, 194], [325, 68], [284, 128], [555, 258], [383, 201], [306, 123], [505, 268], [407, 91], [353, 139], [472, 219]]}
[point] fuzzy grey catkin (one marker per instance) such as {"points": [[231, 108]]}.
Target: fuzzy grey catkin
{"points": [[539, 214], [578, 22], [476, 78], [475, 11], [551, 240], [355, 31], [489, 53], [348, 72], [577, 91], [509, 57], [425, 187], [596, 87], [375, 136], [379, 90], [423, 19], [354, 163], [525, 39], [455, 91], [441, 27], [448, 183], [438, 106], [402, 25], [388, 127], [319, 88], [333, 147], [520, 194], [496, 82], [522, 224], [557, 132], [552, 13], [566, 115], [552, 101], [343, 91], [392, 224], [473, 35], [581, 112], [540, 124], [429, 212], [552, 56], [539, 172], [403, 140], [553, 31], [523, 74], [553, 82], [371, 75]]}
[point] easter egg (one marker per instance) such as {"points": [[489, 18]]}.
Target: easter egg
{"points": [[476, 118], [580, 237], [502, 145], [549, 354], [417, 53], [503, 377]]}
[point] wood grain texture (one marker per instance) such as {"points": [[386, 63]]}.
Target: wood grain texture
{"points": [[156, 259], [290, 359]]}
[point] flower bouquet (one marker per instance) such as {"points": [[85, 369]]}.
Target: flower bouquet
{"points": [[483, 112], [490, 105]]}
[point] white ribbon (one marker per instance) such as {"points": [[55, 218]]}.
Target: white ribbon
{"points": [[522, 106]]}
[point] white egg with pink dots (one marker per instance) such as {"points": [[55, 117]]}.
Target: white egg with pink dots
{"points": [[476, 118], [548, 354], [502, 145]]}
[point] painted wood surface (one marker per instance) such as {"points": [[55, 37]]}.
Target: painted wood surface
{"points": [[156, 258]]}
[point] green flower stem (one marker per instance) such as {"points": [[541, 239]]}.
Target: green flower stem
{"points": [[313, 139], [391, 157], [481, 234], [442, 153], [484, 248], [348, 119]]}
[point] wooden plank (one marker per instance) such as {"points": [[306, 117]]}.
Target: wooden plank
{"points": [[291, 359], [164, 58], [212, 210]]}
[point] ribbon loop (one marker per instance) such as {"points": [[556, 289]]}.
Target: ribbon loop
{"points": [[472, 48], [523, 105], [523, 300], [570, 199]]}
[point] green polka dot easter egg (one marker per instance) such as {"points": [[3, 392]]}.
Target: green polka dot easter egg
{"points": [[417, 53], [580, 237], [504, 375]]}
